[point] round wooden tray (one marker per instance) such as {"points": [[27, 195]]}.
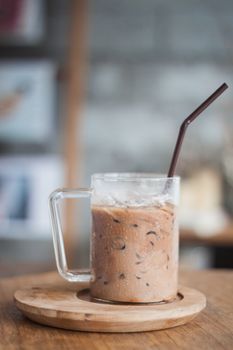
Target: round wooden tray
{"points": [[72, 308]]}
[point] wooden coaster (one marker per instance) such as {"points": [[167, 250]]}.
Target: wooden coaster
{"points": [[71, 307]]}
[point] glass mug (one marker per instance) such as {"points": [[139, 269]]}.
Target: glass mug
{"points": [[134, 241]]}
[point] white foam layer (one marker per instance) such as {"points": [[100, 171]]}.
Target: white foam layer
{"points": [[131, 200]]}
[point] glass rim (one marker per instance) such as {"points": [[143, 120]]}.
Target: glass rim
{"points": [[123, 176]]}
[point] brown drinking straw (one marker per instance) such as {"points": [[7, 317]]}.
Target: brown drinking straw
{"points": [[189, 120]]}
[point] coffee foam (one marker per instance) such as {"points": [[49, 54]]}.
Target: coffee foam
{"points": [[122, 200]]}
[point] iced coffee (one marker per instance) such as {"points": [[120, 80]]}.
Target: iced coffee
{"points": [[134, 252]]}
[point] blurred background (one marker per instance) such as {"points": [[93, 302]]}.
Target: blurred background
{"points": [[102, 86]]}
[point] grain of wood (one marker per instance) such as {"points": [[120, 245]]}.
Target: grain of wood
{"points": [[211, 329], [61, 306]]}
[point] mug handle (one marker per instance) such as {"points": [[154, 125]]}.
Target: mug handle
{"points": [[58, 240]]}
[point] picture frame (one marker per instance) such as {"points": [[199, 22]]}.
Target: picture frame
{"points": [[27, 101], [25, 184], [22, 22]]}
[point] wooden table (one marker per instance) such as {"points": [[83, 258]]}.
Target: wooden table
{"points": [[212, 329]]}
